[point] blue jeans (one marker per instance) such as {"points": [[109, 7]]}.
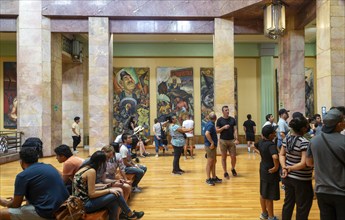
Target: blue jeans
{"points": [[158, 143], [177, 154], [139, 173], [109, 201]]}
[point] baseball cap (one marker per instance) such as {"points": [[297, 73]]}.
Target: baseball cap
{"points": [[283, 110], [331, 119], [268, 129]]}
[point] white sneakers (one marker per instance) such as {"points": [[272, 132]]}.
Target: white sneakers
{"points": [[136, 189]]}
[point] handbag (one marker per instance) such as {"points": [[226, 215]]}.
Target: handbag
{"points": [[71, 209], [334, 154], [184, 135]]}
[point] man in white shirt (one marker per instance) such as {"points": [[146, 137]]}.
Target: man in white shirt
{"points": [[189, 123], [76, 134], [131, 167], [269, 120]]}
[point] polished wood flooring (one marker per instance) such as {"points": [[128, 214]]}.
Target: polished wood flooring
{"points": [[166, 196]]}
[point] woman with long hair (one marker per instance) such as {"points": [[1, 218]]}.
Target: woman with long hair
{"points": [[177, 141], [84, 188], [296, 176]]}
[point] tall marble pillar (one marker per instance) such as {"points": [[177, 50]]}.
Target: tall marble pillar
{"points": [[330, 62], [267, 80], [291, 69], [56, 88], [100, 83], [34, 73], [223, 62]]}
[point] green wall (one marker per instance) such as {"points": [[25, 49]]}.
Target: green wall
{"points": [[8, 48]]}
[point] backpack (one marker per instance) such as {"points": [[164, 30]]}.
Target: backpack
{"points": [[163, 136], [36, 143], [71, 209]]}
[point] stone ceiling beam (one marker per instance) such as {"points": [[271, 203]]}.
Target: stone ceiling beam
{"points": [[139, 9], [305, 15]]}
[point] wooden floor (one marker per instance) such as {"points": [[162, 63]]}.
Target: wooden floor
{"points": [[166, 196]]}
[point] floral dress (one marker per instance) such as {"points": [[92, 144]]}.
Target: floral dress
{"points": [[80, 188]]}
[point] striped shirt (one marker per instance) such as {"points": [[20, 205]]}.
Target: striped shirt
{"points": [[294, 145]]}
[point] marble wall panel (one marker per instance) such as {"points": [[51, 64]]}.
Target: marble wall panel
{"points": [[9, 7]]}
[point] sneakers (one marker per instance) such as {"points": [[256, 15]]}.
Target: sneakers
{"points": [[185, 158], [226, 175], [264, 216], [135, 189], [176, 173], [75, 152], [273, 218], [143, 156], [182, 171], [210, 182], [136, 215], [234, 173], [156, 155], [217, 180]]}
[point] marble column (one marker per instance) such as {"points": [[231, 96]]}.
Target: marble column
{"points": [[223, 62], [34, 73], [56, 88], [291, 69], [100, 83], [330, 62], [267, 81]]}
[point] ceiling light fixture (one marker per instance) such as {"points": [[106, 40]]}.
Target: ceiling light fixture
{"points": [[274, 19]]}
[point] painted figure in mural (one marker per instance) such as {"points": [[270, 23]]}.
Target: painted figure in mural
{"points": [[13, 114], [128, 85], [207, 96]]}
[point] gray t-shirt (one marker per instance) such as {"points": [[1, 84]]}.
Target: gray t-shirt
{"points": [[329, 171], [157, 129]]}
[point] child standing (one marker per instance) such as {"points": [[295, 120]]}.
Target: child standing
{"points": [[269, 175]]}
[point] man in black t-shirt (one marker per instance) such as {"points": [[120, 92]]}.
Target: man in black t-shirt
{"points": [[249, 128], [226, 126]]}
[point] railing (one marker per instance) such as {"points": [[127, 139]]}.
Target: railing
{"points": [[11, 142]]}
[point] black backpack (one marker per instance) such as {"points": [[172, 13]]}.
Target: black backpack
{"points": [[36, 143]]}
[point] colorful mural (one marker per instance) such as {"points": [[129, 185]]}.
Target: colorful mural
{"points": [[131, 98], [309, 91], [10, 95], [207, 95], [175, 93]]}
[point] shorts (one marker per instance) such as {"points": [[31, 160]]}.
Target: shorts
{"points": [[269, 190], [211, 153], [250, 137], [227, 145], [189, 141], [24, 213]]}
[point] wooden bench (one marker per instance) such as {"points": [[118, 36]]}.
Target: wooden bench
{"points": [[103, 214]]}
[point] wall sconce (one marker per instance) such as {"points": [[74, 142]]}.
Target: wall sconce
{"points": [[274, 19]]}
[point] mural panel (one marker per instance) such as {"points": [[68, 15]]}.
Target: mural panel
{"points": [[309, 91], [10, 95], [207, 95], [175, 93], [131, 98]]}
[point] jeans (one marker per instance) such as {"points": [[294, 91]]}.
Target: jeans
{"points": [[76, 141], [139, 173], [158, 143], [177, 154], [299, 192], [109, 201], [331, 206]]}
